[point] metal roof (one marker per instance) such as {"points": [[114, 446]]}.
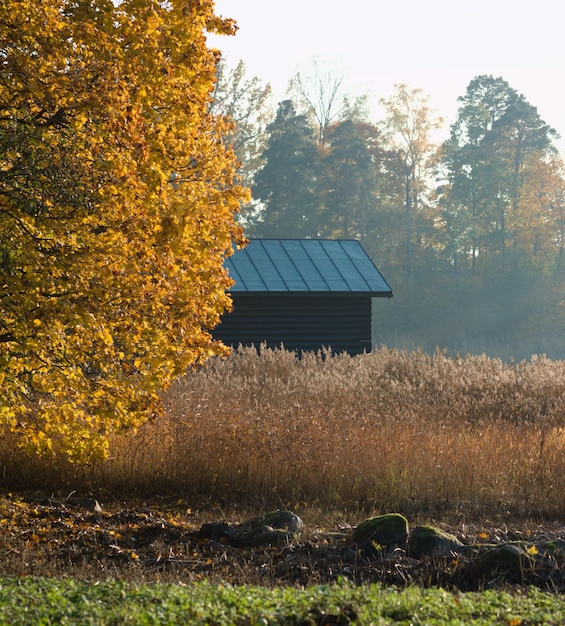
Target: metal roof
{"points": [[305, 265]]}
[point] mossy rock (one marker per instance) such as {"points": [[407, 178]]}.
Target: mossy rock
{"points": [[554, 548], [508, 559], [275, 527], [275, 520], [431, 541], [383, 533]]}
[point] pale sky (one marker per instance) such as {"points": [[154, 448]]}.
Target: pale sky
{"points": [[436, 45]]}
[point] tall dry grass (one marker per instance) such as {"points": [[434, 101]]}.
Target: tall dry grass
{"points": [[385, 431]]}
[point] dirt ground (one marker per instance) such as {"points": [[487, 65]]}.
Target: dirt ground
{"points": [[163, 542]]}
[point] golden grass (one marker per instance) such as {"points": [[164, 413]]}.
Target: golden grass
{"points": [[386, 431]]}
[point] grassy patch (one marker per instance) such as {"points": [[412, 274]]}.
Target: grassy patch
{"points": [[51, 601]]}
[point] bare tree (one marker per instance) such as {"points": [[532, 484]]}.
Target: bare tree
{"points": [[322, 95]]}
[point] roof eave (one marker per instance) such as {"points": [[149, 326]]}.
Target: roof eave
{"points": [[325, 294]]}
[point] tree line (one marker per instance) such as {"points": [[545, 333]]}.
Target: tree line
{"points": [[469, 231]]}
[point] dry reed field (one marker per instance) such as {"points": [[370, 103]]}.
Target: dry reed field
{"points": [[426, 435]]}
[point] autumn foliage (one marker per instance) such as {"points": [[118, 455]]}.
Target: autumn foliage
{"points": [[117, 202]]}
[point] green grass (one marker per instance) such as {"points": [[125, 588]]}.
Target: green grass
{"points": [[43, 601]]}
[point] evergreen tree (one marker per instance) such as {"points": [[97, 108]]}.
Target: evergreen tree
{"points": [[348, 183], [496, 138], [499, 214], [286, 185]]}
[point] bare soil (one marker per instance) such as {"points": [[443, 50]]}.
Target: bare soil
{"points": [[161, 541]]}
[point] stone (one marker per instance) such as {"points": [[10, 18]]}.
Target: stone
{"points": [[276, 527], [383, 533], [554, 548], [273, 528], [431, 541], [274, 520], [508, 559], [90, 504], [216, 531]]}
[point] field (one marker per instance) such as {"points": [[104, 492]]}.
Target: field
{"points": [[473, 445], [448, 437]]}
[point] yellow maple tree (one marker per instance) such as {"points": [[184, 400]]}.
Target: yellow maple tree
{"points": [[117, 203]]}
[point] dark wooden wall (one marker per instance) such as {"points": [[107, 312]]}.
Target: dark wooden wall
{"points": [[299, 321]]}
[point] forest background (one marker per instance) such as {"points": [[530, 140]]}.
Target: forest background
{"points": [[469, 230]]}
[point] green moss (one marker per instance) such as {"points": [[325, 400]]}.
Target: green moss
{"points": [[388, 531], [428, 540]]}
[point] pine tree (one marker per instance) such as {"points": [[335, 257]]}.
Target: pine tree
{"points": [[348, 183], [286, 184]]}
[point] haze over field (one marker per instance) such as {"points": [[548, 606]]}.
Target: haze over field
{"points": [[437, 45]]}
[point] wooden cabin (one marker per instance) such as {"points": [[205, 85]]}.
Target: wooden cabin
{"points": [[304, 294]]}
